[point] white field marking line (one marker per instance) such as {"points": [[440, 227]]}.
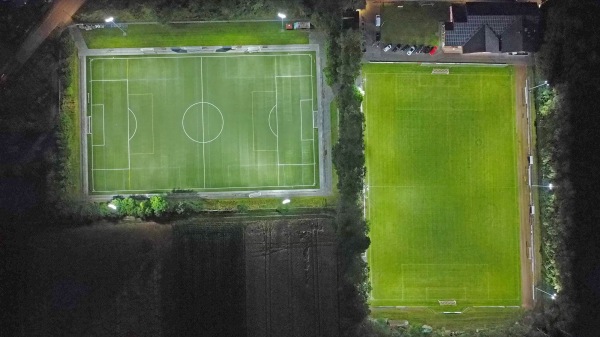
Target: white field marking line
{"points": [[301, 120], [252, 115], [269, 122], [276, 119], [103, 128], [89, 126], [314, 143], [197, 141], [453, 75], [203, 133], [112, 169], [152, 120], [115, 80], [275, 55], [236, 188], [307, 164], [128, 127], [136, 124], [140, 79], [91, 165]]}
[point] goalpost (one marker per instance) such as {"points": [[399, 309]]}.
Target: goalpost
{"points": [[440, 71], [447, 302]]}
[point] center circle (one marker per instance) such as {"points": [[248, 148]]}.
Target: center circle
{"points": [[202, 122]]}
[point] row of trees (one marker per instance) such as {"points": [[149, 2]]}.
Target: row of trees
{"points": [[569, 60], [342, 68], [551, 228]]}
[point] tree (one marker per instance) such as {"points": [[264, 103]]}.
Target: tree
{"points": [[159, 205]]}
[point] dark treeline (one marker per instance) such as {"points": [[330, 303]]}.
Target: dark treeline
{"points": [[570, 60], [342, 68], [182, 10]]}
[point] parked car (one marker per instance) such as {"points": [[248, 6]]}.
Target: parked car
{"points": [[405, 47], [387, 48], [410, 50], [427, 49], [396, 47], [420, 49], [377, 36], [433, 50], [377, 20]]}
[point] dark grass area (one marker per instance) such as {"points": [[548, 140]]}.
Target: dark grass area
{"points": [[205, 282], [196, 34], [471, 319], [413, 23], [70, 107]]}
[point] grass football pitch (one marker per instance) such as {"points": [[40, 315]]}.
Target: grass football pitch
{"points": [[442, 186], [209, 122]]}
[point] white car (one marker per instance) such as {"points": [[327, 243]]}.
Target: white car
{"points": [[411, 50], [387, 48]]}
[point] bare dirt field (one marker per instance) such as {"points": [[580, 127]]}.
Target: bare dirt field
{"points": [[526, 244], [245, 277]]}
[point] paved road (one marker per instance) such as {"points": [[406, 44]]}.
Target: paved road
{"points": [[59, 16]]}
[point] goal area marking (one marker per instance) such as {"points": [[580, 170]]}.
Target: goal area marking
{"points": [[440, 71]]}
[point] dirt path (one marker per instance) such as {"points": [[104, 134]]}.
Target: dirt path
{"points": [[526, 250], [60, 15]]}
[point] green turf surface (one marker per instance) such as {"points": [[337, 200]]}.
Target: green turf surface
{"points": [[442, 200], [196, 34], [209, 123], [413, 23]]}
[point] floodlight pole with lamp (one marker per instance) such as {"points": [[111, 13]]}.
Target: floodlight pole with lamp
{"points": [[111, 19], [549, 186], [281, 16], [552, 296], [539, 85]]}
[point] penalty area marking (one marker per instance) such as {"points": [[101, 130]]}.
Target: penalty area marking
{"points": [[269, 120]]}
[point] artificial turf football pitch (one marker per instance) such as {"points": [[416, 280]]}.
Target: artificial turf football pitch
{"points": [[210, 122], [442, 186]]}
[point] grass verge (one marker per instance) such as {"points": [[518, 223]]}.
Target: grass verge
{"points": [[72, 125], [413, 23], [471, 319], [267, 203], [195, 34]]}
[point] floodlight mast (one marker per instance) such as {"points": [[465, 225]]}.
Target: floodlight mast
{"points": [[549, 186], [552, 296], [111, 19], [539, 85], [281, 16]]}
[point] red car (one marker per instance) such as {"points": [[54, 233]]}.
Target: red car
{"points": [[433, 50]]}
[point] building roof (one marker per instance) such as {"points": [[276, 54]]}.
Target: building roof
{"points": [[502, 8], [493, 27]]}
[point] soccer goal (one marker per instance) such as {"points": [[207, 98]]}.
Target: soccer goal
{"points": [[447, 302], [440, 71]]}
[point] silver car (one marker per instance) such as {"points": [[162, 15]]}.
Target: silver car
{"points": [[411, 50]]}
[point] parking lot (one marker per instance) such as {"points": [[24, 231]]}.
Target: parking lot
{"points": [[373, 50]]}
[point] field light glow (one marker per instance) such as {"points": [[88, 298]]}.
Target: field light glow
{"points": [[286, 201], [109, 19]]}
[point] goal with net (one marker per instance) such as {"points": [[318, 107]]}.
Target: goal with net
{"points": [[440, 71]]}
